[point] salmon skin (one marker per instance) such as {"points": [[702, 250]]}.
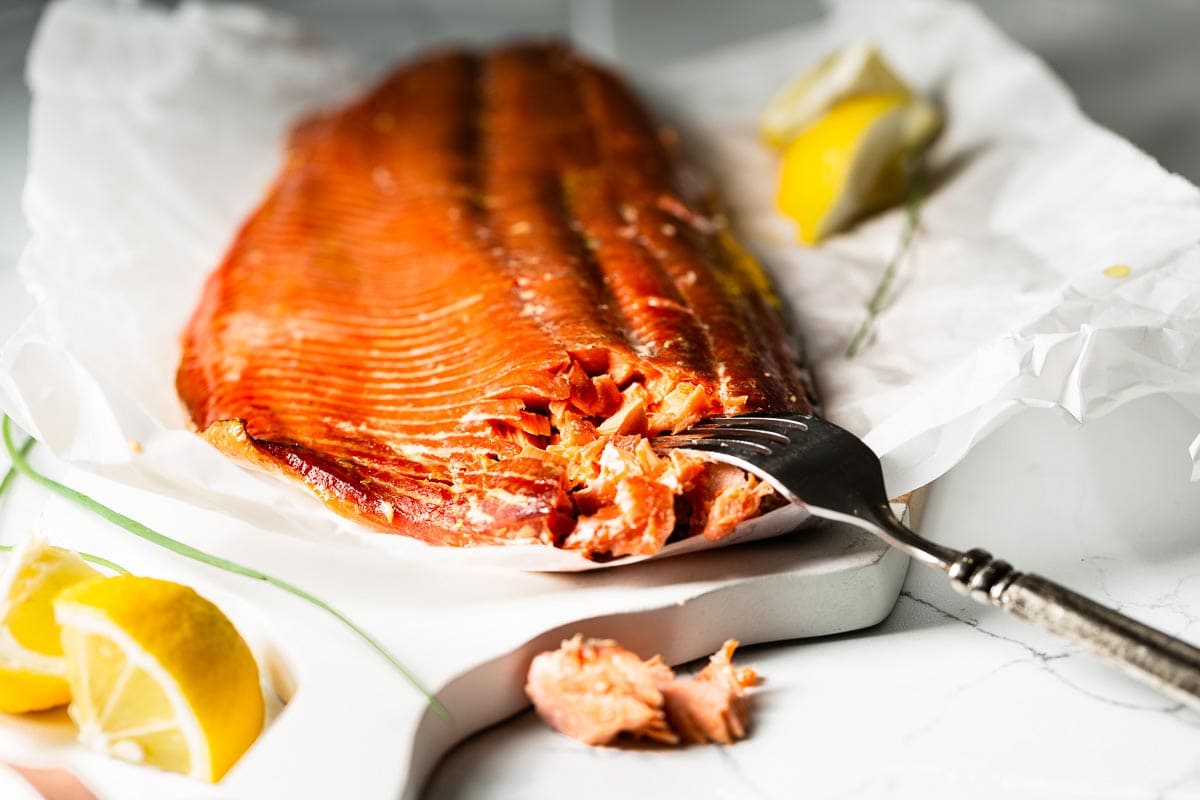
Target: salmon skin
{"points": [[467, 300]]}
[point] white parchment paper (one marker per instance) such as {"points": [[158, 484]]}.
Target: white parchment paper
{"points": [[154, 134]]}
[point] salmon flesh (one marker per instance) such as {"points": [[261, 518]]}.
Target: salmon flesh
{"points": [[468, 299], [596, 691]]}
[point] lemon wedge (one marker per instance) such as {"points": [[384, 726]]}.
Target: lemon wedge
{"points": [[158, 675], [855, 69], [32, 667], [850, 129], [853, 160]]}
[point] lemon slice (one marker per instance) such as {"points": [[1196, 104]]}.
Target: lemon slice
{"points": [[852, 160], [158, 675], [854, 70], [31, 657]]}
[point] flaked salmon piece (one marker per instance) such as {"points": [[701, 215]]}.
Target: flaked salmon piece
{"points": [[710, 707], [594, 690], [722, 497], [469, 288]]}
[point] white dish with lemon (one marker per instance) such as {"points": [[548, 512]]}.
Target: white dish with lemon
{"points": [[351, 723], [154, 673]]}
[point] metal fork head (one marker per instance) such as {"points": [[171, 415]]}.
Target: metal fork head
{"points": [[812, 462], [807, 459]]}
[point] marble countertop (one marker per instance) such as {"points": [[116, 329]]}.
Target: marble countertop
{"points": [[944, 698]]}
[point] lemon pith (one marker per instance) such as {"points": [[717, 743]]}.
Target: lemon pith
{"points": [[158, 675], [855, 69]]}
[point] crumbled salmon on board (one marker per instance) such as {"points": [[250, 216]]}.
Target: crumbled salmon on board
{"points": [[594, 690], [711, 706]]}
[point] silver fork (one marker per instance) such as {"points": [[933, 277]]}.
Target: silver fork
{"points": [[835, 476]]}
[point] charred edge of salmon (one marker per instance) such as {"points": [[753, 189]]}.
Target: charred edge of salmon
{"points": [[339, 493], [543, 516], [625, 307]]}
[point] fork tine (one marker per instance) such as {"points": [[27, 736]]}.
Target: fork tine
{"points": [[695, 442], [756, 434], [752, 421]]}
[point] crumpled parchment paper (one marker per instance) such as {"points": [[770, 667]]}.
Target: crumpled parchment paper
{"points": [[155, 132]]}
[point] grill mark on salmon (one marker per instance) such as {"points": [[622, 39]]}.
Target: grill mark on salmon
{"points": [[466, 301], [637, 158], [534, 134]]}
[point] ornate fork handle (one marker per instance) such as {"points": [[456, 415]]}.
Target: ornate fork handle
{"points": [[1146, 654], [1169, 665]]}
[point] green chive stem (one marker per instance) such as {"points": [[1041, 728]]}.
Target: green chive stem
{"points": [[187, 551], [11, 472], [912, 215]]}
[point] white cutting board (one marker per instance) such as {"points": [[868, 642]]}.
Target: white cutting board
{"points": [[351, 726]]}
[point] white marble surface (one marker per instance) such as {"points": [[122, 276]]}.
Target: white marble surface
{"points": [[944, 698]]}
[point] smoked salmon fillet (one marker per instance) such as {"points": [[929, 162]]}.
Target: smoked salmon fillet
{"points": [[468, 298]]}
